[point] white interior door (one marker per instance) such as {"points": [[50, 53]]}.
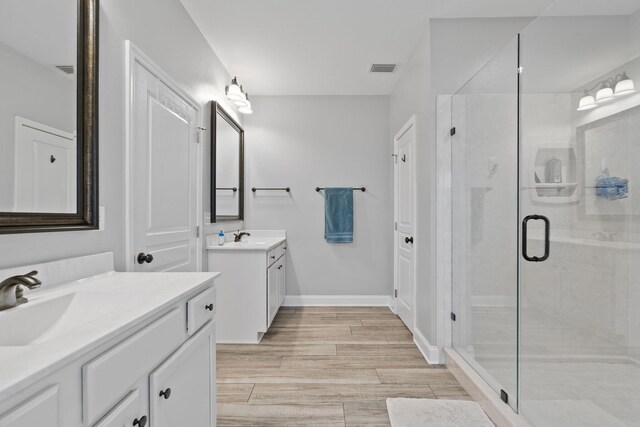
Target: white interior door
{"points": [[404, 197], [44, 168], [163, 172]]}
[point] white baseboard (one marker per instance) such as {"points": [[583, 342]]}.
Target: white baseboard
{"points": [[338, 300], [430, 352]]}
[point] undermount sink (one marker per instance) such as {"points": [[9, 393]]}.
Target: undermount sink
{"points": [[42, 320], [32, 320]]}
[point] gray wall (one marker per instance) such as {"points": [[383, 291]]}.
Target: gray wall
{"points": [[163, 30], [448, 54], [334, 141]]}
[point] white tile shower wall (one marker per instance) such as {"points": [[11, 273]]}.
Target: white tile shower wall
{"points": [[172, 40], [304, 142]]}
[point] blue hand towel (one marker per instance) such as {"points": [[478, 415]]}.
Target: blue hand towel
{"points": [[338, 215]]}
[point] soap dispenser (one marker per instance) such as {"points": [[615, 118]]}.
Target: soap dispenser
{"points": [[221, 238]]}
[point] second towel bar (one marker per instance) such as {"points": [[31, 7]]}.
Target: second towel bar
{"points": [[363, 189]]}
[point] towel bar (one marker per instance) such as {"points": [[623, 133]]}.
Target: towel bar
{"points": [[234, 189], [287, 189], [354, 189]]}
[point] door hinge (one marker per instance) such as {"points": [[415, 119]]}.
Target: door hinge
{"points": [[395, 158], [395, 293], [453, 316], [198, 231], [520, 70], [395, 226], [199, 137], [452, 131], [504, 396]]}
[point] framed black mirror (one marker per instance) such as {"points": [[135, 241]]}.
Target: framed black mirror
{"points": [[227, 166], [49, 115]]}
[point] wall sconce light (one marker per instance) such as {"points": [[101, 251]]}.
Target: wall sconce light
{"points": [[246, 109], [607, 89], [236, 94]]}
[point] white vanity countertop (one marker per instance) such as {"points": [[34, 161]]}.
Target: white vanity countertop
{"points": [[101, 308], [259, 240]]}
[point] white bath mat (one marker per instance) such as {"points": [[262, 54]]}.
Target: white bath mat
{"points": [[436, 413]]}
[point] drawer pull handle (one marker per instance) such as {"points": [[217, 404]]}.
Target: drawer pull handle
{"points": [[209, 307], [140, 422], [166, 393]]}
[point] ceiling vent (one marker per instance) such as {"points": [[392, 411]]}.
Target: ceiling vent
{"points": [[67, 69], [382, 68]]}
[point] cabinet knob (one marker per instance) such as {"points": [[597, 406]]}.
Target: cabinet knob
{"points": [[279, 267], [408, 240], [140, 422], [273, 257], [209, 307], [166, 393], [142, 258]]}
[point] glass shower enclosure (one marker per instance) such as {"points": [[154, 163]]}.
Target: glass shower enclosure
{"points": [[545, 202]]}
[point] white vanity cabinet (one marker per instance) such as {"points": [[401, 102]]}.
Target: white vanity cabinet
{"points": [[251, 287], [159, 373], [182, 390]]}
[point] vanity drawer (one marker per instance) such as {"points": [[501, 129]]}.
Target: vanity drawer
{"points": [[200, 309], [272, 256], [109, 377], [281, 250]]}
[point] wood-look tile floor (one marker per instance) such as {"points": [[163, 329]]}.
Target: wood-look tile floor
{"points": [[330, 366]]}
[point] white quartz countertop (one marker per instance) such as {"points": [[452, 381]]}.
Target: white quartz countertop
{"points": [[126, 300], [258, 240], [262, 244]]}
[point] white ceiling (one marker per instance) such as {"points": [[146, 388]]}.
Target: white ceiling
{"points": [[325, 47]]}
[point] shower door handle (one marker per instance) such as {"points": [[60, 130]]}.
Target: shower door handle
{"points": [[547, 242]]}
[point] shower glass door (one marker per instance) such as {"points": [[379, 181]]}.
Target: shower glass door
{"points": [[579, 351], [484, 149]]}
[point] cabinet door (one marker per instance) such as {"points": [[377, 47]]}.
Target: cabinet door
{"points": [[273, 300], [126, 414], [38, 410], [282, 273], [182, 389]]}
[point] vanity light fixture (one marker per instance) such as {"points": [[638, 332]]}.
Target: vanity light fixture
{"points": [[607, 89], [247, 108], [242, 102], [234, 92]]}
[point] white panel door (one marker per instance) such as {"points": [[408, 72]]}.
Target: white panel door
{"points": [[404, 197], [163, 174], [45, 169]]}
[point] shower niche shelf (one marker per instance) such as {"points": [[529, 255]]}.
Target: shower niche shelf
{"points": [[553, 177]]}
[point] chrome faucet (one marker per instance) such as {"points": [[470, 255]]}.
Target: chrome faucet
{"points": [[11, 292], [238, 236]]}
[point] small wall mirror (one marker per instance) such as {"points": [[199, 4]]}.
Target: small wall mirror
{"points": [[227, 166], [48, 115]]}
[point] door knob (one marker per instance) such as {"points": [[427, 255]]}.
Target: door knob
{"points": [[142, 258], [140, 422], [166, 393], [408, 240], [209, 307]]}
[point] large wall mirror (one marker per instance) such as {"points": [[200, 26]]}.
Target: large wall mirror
{"points": [[607, 149], [48, 115], [227, 166]]}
